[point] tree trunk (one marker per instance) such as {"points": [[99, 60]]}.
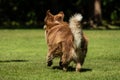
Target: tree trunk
{"points": [[97, 12], [92, 13]]}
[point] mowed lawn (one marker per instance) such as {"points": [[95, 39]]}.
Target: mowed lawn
{"points": [[23, 57]]}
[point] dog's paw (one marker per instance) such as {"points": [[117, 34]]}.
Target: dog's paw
{"points": [[49, 63]]}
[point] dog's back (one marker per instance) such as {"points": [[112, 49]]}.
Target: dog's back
{"points": [[59, 37]]}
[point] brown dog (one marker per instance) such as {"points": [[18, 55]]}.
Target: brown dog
{"points": [[60, 41]]}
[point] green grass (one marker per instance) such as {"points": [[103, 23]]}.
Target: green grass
{"points": [[23, 57]]}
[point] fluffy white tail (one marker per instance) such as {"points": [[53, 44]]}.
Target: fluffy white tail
{"points": [[74, 24], [75, 20]]}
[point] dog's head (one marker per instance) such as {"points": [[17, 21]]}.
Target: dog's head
{"points": [[52, 20]]}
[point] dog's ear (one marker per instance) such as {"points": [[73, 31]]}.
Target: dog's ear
{"points": [[48, 13], [60, 16], [49, 16]]}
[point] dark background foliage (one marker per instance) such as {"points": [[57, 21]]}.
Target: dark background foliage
{"points": [[31, 13]]}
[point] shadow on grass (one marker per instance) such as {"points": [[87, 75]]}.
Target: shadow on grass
{"points": [[5, 61], [70, 69]]}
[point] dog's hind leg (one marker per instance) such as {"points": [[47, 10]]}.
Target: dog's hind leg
{"points": [[66, 59], [64, 63], [84, 49], [60, 62], [78, 67], [50, 57]]}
